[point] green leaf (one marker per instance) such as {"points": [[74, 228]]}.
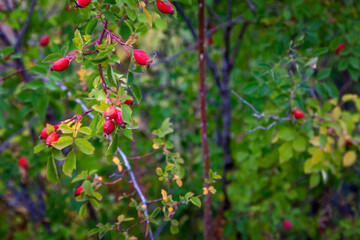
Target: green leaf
{"points": [[324, 73], [66, 129], [314, 180], [148, 16], [286, 134], [126, 113], [43, 105], [155, 212], [354, 62], [77, 40], [58, 155], [83, 210], [52, 57], [321, 51], [131, 13], [196, 201], [128, 133], [299, 144], [85, 130], [39, 148], [84, 146], [174, 229], [95, 203], [99, 60], [90, 27], [111, 77], [285, 152], [113, 145], [51, 172], [136, 91], [70, 163], [87, 188], [63, 142], [83, 175], [110, 16]]}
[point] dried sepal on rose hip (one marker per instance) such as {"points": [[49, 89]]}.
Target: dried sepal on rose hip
{"points": [[110, 112], [53, 137], [164, 7], [44, 41], [141, 57], [109, 127], [22, 162], [60, 65], [298, 114]]}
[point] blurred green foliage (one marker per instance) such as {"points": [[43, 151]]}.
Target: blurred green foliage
{"points": [[300, 170]]}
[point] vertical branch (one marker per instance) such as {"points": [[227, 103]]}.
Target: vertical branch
{"points": [[17, 45], [203, 125]]}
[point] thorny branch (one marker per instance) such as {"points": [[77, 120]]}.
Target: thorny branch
{"points": [[257, 114]]}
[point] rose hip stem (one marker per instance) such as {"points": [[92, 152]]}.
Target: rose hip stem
{"points": [[76, 116]]}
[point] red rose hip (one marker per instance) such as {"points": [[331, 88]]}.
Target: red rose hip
{"points": [[141, 57], [78, 191], [22, 162], [60, 65], [129, 102], [44, 134], [109, 127], [340, 47], [298, 114], [83, 3], [287, 225], [164, 8], [52, 138], [110, 112], [44, 41], [118, 118]]}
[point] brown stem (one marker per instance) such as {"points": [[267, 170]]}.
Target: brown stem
{"points": [[12, 74], [77, 116], [105, 87], [203, 125], [143, 156]]}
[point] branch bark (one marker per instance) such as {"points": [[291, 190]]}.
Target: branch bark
{"points": [[203, 125]]}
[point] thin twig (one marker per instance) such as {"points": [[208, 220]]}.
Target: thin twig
{"points": [[257, 114], [143, 156], [12, 74], [17, 45]]}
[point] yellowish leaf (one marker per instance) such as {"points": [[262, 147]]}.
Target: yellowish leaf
{"points": [[349, 158], [317, 157]]}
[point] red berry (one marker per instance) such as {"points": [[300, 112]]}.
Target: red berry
{"points": [[109, 127], [44, 134], [22, 162], [209, 40], [110, 112], [348, 143], [164, 8], [141, 57], [60, 65], [129, 102], [340, 47], [83, 3], [78, 191], [298, 114], [118, 118], [287, 225], [44, 41], [53, 137]]}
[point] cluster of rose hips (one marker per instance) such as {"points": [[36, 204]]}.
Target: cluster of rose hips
{"points": [[51, 137], [110, 114]]}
